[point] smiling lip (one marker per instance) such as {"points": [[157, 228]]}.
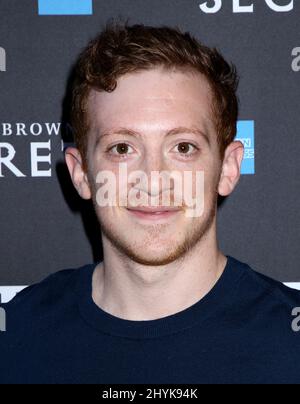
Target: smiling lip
{"points": [[154, 213]]}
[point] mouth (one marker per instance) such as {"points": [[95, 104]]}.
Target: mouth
{"points": [[154, 213]]}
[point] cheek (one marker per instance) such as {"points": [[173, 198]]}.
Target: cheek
{"points": [[98, 172], [212, 169], [211, 178], [107, 217], [207, 182]]}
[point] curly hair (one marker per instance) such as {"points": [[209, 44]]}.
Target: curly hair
{"points": [[121, 48]]}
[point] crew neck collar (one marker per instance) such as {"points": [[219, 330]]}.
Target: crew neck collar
{"points": [[139, 329]]}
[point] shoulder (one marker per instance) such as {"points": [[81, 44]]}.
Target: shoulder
{"points": [[51, 287], [262, 298], [273, 289], [49, 299]]}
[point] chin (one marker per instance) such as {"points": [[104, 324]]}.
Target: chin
{"points": [[156, 255], [151, 260]]}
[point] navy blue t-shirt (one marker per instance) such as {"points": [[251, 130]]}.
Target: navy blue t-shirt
{"points": [[240, 332]]}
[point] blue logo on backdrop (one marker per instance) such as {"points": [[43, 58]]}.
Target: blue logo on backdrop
{"points": [[245, 134], [65, 7]]}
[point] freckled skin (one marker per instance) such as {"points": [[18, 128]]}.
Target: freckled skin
{"points": [[152, 102]]}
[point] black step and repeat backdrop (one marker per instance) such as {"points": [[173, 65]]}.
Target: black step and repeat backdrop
{"points": [[45, 226]]}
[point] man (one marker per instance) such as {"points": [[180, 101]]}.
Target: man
{"points": [[165, 305]]}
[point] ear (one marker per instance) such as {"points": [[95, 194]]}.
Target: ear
{"points": [[77, 173], [231, 167]]}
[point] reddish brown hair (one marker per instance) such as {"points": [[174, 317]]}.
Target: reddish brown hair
{"points": [[121, 48]]}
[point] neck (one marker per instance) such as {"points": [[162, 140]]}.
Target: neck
{"points": [[132, 291]]}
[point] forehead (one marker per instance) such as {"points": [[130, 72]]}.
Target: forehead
{"points": [[150, 98]]}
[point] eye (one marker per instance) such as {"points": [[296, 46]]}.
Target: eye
{"points": [[120, 149], [186, 149]]}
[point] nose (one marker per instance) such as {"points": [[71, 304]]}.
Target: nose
{"points": [[155, 175]]}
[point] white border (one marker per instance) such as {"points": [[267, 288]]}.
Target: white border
{"points": [[8, 292]]}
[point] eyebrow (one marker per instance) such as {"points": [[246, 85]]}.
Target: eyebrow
{"points": [[175, 131]]}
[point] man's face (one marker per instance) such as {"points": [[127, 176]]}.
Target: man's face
{"points": [[151, 103]]}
